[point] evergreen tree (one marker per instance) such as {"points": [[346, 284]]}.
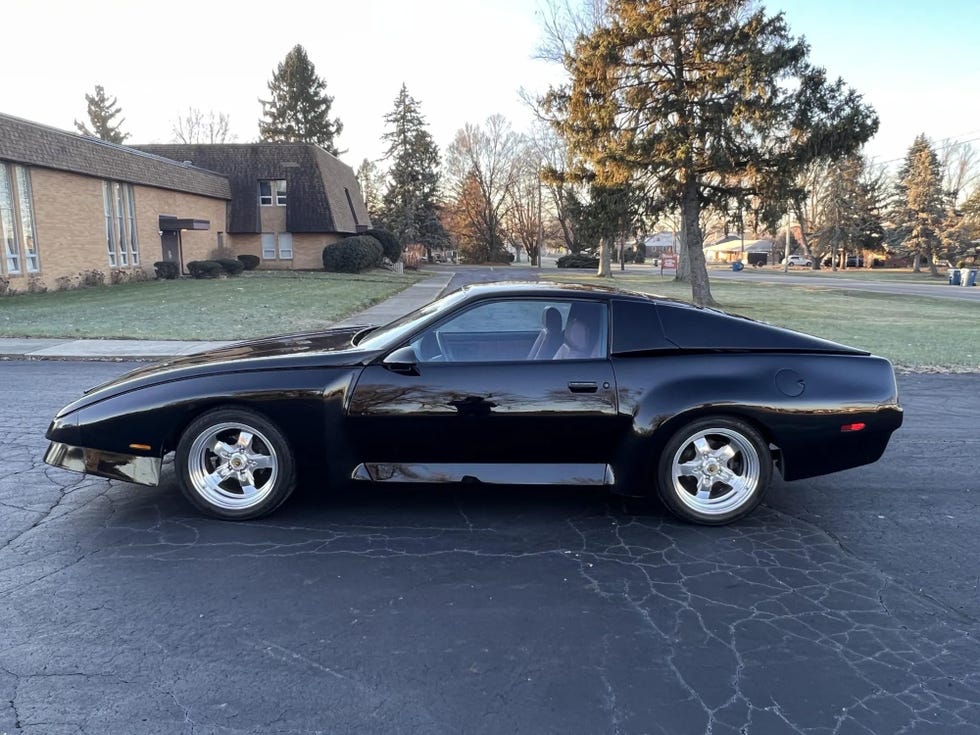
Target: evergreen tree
{"points": [[299, 108], [102, 112], [369, 177], [850, 210], [921, 203], [409, 206], [705, 102]]}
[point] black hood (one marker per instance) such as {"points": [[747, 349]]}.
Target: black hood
{"points": [[296, 351]]}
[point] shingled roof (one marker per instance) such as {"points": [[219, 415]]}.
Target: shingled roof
{"points": [[30, 144], [318, 183]]}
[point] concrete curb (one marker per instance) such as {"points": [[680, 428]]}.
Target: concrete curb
{"points": [[411, 298]]}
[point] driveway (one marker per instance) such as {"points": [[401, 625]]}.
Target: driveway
{"points": [[846, 604]]}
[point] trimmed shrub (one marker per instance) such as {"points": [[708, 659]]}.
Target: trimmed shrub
{"points": [[36, 285], [205, 269], [166, 270], [389, 242], [578, 260], [231, 266], [353, 254], [64, 283], [136, 275], [91, 279], [251, 262]]}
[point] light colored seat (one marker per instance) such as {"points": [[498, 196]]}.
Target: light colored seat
{"points": [[549, 338]]}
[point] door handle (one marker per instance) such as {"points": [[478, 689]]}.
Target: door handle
{"points": [[583, 386]]}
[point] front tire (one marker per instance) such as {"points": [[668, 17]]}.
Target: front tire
{"points": [[714, 471], [235, 465]]}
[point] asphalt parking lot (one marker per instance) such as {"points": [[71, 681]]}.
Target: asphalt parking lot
{"points": [[848, 604]]}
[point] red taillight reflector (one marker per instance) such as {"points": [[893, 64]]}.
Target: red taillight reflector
{"points": [[852, 427]]}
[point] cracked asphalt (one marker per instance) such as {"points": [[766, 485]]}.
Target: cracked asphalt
{"points": [[847, 604]]}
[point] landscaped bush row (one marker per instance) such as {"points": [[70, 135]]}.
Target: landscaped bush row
{"points": [[84, 279], [166, 270], [578, 260], [215, 268], [251, 262], [353, 254], [389, 242]]}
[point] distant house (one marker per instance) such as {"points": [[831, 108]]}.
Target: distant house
{"points": [[732, 247], [661, 242], [71, 204], [288, 199]]}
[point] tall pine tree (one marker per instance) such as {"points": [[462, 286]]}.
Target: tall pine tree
{"points": [[299, 108], [921, 202], [102, 113], [704, 102], [409, 206]]}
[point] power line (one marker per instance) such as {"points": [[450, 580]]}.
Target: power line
{"points": [[947, 143]]}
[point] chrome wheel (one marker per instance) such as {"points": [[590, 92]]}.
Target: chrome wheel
{"points": [[233, 466], [716, 471]]}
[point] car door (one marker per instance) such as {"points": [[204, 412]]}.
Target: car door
{"points": [[470, 392]]}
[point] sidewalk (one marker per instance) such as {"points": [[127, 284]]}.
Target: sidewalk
{"points": [[401, 303]]}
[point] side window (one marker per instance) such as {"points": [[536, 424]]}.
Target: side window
{"points": [[637, 328], [517, 330]]}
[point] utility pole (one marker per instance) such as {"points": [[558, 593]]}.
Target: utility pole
{"points": [[540, 221], [786, 253]]}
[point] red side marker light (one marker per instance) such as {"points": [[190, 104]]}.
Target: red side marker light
{"points": [[852, 427]]}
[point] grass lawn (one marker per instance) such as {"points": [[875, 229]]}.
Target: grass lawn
{"points": [[255, 304], [904, 275], [915, 333]]}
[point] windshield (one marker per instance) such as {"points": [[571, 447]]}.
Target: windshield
{"points": [[393, 332]]}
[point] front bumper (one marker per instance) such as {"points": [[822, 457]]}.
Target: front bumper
{"points": [[126, 467]]}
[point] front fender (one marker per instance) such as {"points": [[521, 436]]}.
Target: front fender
{"points": [[306, 404]]}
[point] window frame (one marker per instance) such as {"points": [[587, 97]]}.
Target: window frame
{"points": [[275, 194], [109, 229], [267, 183], [603, 338], [129, 194], [8, 225], [281, 252], [28, 226], [119, 212], [269, 254]]}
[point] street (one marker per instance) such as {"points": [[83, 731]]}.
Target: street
{"points": [[937, 289], [846, 604]]}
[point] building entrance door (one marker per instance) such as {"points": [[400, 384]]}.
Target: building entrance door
{"points": [[170, 242]]}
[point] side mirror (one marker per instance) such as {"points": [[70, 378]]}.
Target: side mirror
{"points": [[403, 360]]}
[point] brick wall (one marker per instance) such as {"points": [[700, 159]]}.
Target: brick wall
{"points": [[70, 224]]}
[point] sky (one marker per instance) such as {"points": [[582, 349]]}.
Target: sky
{"points": [[917, 63]]}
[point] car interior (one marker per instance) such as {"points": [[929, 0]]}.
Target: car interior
{"points": [[505, 332]]}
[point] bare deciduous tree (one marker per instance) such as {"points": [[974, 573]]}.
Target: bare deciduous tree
{"points": [[203, 127], [481, 165], [524, 213]]}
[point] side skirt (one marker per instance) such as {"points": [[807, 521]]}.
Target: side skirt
{"points": [[495, 474]]}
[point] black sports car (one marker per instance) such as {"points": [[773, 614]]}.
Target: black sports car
{"points": [[498, 383]]}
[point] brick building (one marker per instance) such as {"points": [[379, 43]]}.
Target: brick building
{"points": [[71, 204], [288, 199]]}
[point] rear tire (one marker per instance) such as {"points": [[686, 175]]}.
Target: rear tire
{"points": [[714, 471], [235, 464]]}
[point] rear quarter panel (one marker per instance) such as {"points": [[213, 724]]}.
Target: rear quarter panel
{"points": [[662, 393]]}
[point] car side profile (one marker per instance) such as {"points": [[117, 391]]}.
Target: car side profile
{"points": [[497, 383], [799, 260]]}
